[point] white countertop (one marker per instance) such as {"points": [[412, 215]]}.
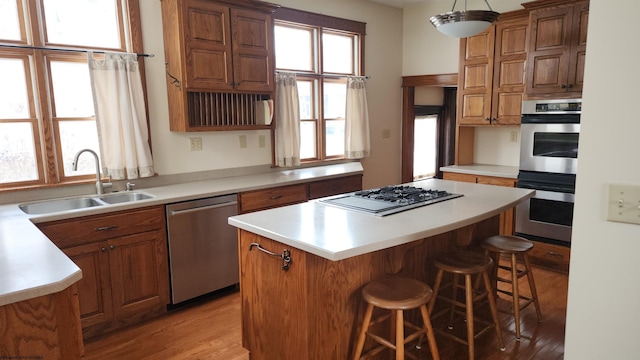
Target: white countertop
{"points": [[484, 169], [336, 234], [31, 265]]}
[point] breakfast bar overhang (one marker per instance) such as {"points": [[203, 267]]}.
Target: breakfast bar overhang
{"points": [[303, 300]]}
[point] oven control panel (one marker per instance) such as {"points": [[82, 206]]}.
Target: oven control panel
{"points": [[564, 106]]}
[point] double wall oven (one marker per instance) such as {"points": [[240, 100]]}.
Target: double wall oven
{"points": [[548, 162]]}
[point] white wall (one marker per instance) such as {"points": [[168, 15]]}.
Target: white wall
{"points": [[603, 315], [221, 150]]}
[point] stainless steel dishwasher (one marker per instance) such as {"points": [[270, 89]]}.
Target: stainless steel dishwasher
{"points": [[203, 247]]}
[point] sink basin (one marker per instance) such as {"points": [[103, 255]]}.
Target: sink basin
{"points": [[49, 206], [125, 197]]}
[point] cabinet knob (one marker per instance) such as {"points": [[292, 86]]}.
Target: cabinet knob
{"points": [[103, 249], [111, 247], [570, 86], [563, 86]]}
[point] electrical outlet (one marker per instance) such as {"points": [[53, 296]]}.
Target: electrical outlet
{"points": [[243, 141], [514, 136], [195, 144], [624, 203], [261, 141], [386, 133]]}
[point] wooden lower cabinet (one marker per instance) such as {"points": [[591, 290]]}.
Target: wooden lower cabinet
{"points": [[551, 256], [125, 276], [507, 218]]}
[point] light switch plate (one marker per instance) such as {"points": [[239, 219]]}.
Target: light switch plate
{"points": [[243, 141], [195, 144], [624, 203]]}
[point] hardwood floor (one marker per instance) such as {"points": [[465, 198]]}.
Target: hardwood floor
{"points": [[210, 329]]}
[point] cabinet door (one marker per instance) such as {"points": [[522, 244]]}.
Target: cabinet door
{"points": [[578, 46], [318, 189], [139, 272], [207, 30], [509, 72], [94, 289], [253, 67], [557, 50], [476, 77]]}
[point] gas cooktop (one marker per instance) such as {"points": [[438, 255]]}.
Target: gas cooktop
{"points": [[389, 199]]}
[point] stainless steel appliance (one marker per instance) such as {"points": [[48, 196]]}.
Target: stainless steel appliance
{"points": [[203, 247], [548, 163], [389, 199]]}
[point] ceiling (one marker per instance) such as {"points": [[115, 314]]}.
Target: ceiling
{"points": [[400, 3]]}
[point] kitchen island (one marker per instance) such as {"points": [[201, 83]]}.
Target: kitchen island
{"points": [[306, 304]]}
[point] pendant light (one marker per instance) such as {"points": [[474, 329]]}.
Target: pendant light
{"points": [[464, 23]]}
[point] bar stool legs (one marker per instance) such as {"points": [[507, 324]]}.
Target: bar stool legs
{"points": [[514, 246], [466, 264], [396, 294]]}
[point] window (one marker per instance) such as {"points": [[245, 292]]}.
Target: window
{"points": [[46, 104], [323, 51]]}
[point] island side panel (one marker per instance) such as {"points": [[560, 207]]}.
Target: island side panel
{"points": [[313, 310], [274, 302]]}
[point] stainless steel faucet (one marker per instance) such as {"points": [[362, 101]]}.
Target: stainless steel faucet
{"points": [[99, 184]]}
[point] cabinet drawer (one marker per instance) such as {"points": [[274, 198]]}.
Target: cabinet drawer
{"points": [[459, 177], [550, 255], [268, 198], [318, 189], [490, 180], [71, 232]]}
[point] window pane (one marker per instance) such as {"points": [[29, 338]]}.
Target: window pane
{"points": [[9, 24], [75, 136], [14, 102], [306, 102], [424, 147], [335, 137], [294, 48], [308, 140], [335, 100], [17, 153], [71, 89], [337, 53], [97, 27]]}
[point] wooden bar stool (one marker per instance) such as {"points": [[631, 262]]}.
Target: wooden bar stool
{"points": [[515, 247], [396, 294], [467, 264]]}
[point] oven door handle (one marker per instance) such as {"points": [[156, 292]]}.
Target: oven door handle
{"points": [[545, 187], [554, 196]]}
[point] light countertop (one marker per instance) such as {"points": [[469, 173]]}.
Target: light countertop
{"points": [[32, 266], [484, 170], [336, 233]]}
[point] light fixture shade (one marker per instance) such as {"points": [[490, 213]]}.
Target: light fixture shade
{"points": [[464, 23]]}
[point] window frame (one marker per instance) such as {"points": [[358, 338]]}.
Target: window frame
{"points": [[333, 25], [37, 53]]}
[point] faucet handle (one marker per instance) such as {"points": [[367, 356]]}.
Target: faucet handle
{"points": [[108, 184], [130, 186]]}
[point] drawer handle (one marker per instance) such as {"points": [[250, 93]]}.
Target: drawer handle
{"points": [[276, 197], [106, 228], [554, 254]]}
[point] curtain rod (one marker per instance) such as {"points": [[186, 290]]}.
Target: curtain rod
{"points": [[321, 75], [59, 49]]}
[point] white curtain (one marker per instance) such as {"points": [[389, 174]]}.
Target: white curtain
{"points": [[287, 120], [120, 116], [357, 144]]}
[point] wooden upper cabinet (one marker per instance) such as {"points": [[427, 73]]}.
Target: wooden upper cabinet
{"points": [[492, 65], [220, 62], [557, 49]]}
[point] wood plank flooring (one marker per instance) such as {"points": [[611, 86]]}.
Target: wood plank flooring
{"points": [[210, 329]]}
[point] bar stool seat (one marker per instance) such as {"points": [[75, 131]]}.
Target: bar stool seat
{"points": [[467, 264], [396, 294], [515, 247]]}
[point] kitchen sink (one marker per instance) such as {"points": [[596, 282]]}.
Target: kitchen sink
{"points": [[49, 206], [125, 197], [58, 205]]}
